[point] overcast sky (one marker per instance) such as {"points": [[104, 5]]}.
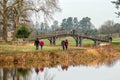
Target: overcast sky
{"points": [[98, 10]]}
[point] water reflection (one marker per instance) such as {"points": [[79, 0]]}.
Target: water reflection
{"points": [[56, 72], [64, 67], [14, 74], [41, 69]]}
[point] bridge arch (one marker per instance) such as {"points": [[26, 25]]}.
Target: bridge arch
{"points": [[78, 37], [70, 39]]}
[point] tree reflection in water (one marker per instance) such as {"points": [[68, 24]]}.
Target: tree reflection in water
{"points": [[1, 74], [25, 74], [15, 73]]}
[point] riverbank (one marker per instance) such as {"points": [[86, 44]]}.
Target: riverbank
{"points": [[72, 56]]}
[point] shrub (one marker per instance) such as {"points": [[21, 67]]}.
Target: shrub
{"points": [[23, 32]]}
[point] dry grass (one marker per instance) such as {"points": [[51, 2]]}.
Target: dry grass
{"points": [[73, 56]]}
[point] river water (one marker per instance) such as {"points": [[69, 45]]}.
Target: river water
{"points": [[104, 71]]}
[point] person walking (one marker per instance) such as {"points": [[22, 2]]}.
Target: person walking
{"points": [[66, 44], [36, 43], [63, 44], [41, 44]]}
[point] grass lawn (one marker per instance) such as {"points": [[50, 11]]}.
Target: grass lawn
{"points": [[72, 41], [25, 48], [116, 41], [47, 47]]}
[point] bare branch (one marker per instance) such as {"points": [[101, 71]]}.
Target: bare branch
{"points": [[30, 9], [1, 13], [1, 3], [13, 5]]}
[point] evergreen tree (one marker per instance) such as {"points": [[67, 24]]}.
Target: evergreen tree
{"points": [[23, 32], [85, 26], [64, 24], [69, 23], [75, 22]]}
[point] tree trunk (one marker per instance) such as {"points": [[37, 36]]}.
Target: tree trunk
{"points": [[5, 22], [14, 29], [16, 25], [4, 34]]}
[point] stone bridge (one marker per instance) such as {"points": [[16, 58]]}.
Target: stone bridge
{"points": [[52, 37]]}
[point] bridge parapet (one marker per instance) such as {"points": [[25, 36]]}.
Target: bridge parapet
{"points": [[56, 33], [64, 33]]}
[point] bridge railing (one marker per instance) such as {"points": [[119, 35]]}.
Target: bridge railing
{"points": [[56, 33]]}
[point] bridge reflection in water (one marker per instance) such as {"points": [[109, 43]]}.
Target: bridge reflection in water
{"points": [[46, 70]]}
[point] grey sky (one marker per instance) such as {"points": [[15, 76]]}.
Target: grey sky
{"points": [[98, 10]]}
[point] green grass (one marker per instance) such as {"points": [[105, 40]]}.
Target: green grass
{"points": [[116, 41], [47, 46], [16, 48], [25, 48], [72, 41]]}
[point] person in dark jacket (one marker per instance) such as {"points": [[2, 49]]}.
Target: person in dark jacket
{"points": [[63, 44], [110, 39], [36, 43]]}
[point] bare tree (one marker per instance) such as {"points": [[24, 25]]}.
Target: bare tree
{"points": [[6, 7], [107, 28], [13, 11], [117, 5]]}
